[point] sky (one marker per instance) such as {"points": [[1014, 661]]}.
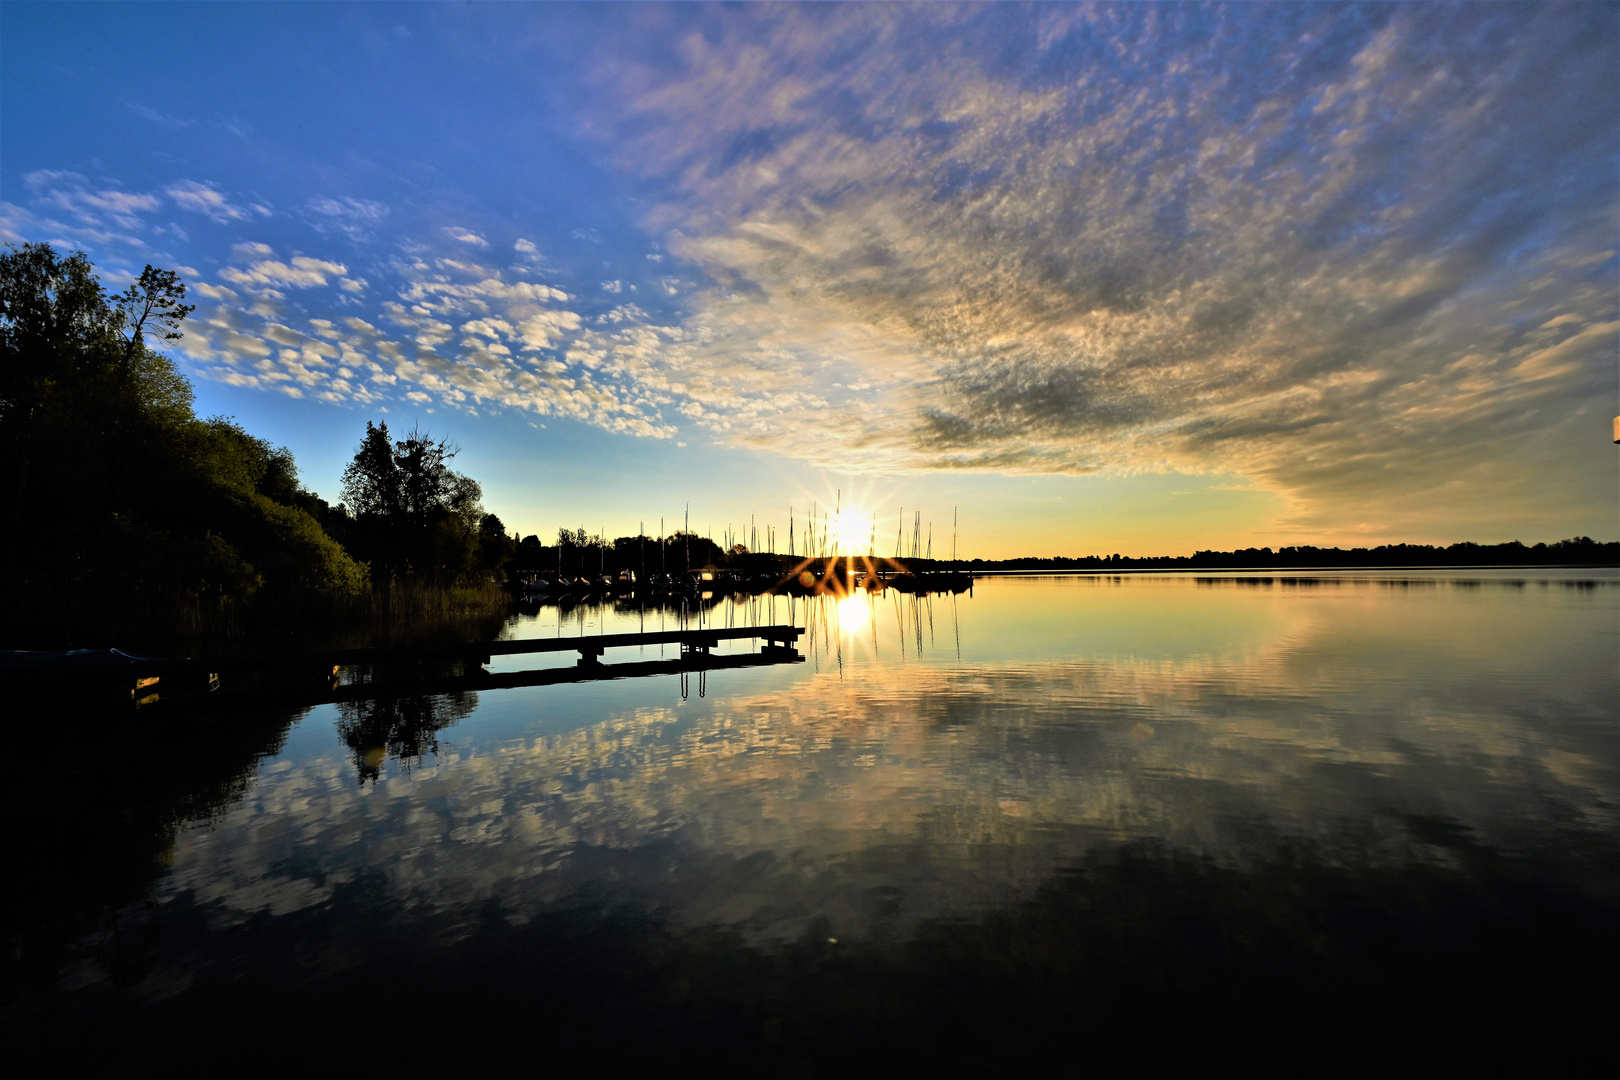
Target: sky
{"points": [[1139, 278]]}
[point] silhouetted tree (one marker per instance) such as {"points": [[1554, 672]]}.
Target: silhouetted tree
{"points": [[372, 485], [414, 515], [531, 556], [152, 512], [154, 303], [495, 548], [426, 482]]}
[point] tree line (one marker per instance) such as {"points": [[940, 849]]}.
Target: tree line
{"points": [[132, 515], [579, 553]]}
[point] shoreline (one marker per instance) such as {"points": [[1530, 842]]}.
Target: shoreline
{"points": [[1077, 572]]}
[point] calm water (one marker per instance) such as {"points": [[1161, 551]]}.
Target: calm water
{"points": [[1127, 801]]}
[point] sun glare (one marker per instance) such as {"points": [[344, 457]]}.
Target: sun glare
{"points": [[844, 521], [850, 531], [853, 612]]}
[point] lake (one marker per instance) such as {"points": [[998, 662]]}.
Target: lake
{"points": [[1105, 808]]}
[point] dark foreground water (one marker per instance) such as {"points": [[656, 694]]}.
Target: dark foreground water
{"points": [[1113, 817]]}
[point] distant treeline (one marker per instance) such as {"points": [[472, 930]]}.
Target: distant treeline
{"points": [[578, 553], [131, 519], [1580, 551]]}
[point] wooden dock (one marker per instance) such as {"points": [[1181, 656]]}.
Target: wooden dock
{"points": [[311, 677], [483, 680]]}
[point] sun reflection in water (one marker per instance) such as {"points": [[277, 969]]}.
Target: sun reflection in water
{"points": [[854, 611]]}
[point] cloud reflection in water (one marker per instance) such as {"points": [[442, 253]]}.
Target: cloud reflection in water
{"points": [[873, 794]]}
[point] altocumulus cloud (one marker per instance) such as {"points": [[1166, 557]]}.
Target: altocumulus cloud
{"points": [[456, 333], [1363, 256], [439, 328]]}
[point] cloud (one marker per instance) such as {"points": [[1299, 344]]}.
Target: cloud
{"points": [[1133, 239], [354, 218], [89, 204], [461, 336], [1367, 265], [205, 199], [624, 313], [431, 292], [542, 330], [146, 112], [302, 273], [465, 236], [362, 209]]}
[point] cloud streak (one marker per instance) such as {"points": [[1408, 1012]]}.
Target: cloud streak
{"points": [[205, 199]]}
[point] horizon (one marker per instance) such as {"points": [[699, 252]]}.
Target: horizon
{"points": [[1109, 278], [836, 549]]}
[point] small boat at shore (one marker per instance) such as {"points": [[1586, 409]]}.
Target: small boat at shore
{"points": [[96, 673]]}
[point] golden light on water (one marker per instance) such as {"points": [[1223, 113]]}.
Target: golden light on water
{"points": [[854, 611]]}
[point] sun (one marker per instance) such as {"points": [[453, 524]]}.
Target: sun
{"points": [[842, 521], [850, 531]]}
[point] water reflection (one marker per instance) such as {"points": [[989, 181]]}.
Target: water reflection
{"points": [[92, 835], [1122, 798], [405, 729]]}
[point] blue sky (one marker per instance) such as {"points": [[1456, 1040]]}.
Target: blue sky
{"points": [[1110, 278]]}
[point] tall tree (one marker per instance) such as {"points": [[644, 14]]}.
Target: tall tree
{"points": [[154, 304], [372, 485], [426, 482], [414, 515]]}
